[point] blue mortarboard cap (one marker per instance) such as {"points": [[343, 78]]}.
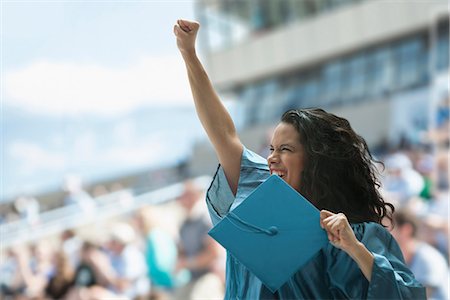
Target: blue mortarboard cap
{"points": [[273, 232]]}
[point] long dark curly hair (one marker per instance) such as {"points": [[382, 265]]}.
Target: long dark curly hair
{"points": [[339, 171]]}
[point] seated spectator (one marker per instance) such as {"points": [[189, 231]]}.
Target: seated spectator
{"points": [[41, 268], [87, 282], [160, 249], [76, 195], [129, 278], [428, 265], [71, 246], [28, 271], [62, 278], [120, 271], [401, 181], [92, 259], [198, 252], [12, 281], [28, 209]]}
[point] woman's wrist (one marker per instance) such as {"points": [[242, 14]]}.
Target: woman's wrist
{"points": [[356, 250], [188, 54], [363, 257]]}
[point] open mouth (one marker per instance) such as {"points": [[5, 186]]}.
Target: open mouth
{"points": [[278, 173]]}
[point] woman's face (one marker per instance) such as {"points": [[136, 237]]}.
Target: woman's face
{"points": [[287, 155]]}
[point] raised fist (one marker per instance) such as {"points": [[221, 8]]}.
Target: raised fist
{"points": [[186, 33]]}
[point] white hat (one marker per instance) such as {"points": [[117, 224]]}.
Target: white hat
{"points": [[122, 233], [398, 161]]}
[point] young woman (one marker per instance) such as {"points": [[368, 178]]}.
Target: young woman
{"points": [[320, 156]]}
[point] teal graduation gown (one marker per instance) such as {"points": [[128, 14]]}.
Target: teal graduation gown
{"points": [[332, 273]]}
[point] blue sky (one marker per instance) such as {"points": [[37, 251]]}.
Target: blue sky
{"points": [[105, 33], [86, 86]]}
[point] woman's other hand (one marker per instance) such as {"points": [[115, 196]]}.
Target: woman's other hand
{"points": [[342, 236], [338, 230], [186, 33]]}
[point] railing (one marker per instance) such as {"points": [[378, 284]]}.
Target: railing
{"points": [[73, 216]]}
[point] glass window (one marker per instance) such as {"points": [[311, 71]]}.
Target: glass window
{"points": [[303, 95], [380, 71], [354, 78], [410, 62], [224, 23], [260, 15], [309, 92], [227, 22], [268, 102], [331, 83], [249, 98], [442, 55], [338, 3]]}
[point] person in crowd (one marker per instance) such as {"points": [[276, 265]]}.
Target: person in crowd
{"points": [[401, 182], [41, 267], [30, 269], [71, 245], [428, 265], [118, 270], [28, 208], [89, 281], [76, 195], [160, 250], [14, 274], [129, 272], [425, 167], [319, 155], [437, 222], [198, 252], [60, 281]]}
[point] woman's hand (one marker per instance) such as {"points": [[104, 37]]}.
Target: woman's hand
{"points": [[186, 33], [342, 236], [339, 231]]}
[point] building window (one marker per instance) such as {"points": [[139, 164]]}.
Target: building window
{"points": [[354, 79], [304, 93], [268, 109], [380, 71], [410, 62], [331, 83], [442, 49], [224, 23], [249, 98]]}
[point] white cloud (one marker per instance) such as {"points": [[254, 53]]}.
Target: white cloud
{"points": [[34, 158], [125, 131], [84, 148], [138, 155], [64, 87]]}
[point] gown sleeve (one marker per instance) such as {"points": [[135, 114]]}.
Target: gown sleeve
{"points": [[219, 197], [391, 278]]}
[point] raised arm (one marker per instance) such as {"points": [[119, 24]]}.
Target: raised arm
{"points": [[212, 113]]}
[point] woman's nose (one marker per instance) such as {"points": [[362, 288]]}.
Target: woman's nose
{"points": [[272, 158]]}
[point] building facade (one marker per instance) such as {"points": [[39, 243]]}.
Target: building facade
{"points": [[382, 64]]}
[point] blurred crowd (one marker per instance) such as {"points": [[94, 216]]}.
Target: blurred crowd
{"points": [[158, 252], [415, 179]]}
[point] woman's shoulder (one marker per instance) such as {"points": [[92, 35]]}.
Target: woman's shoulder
{"points": [[372, 229], [375, 236], [251, 159]]}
